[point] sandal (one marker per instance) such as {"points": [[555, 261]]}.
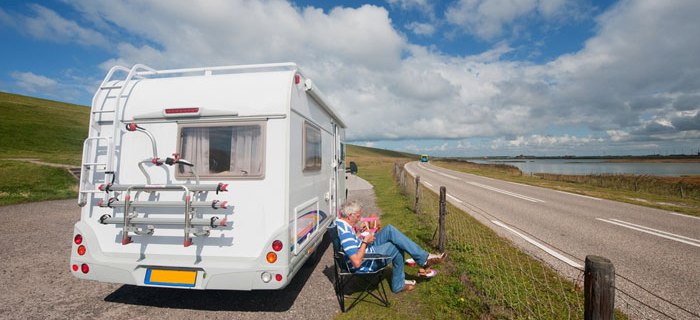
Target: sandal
{"points": [[410, 262], [409, 285], [427, 274]]}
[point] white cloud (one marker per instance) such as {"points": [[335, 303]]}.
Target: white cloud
{"points": [[488, 19], [640, 67], [421, 5], [46, 24], [33, 82], [423, 29]]}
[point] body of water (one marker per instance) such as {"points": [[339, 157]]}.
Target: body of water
{"points": [[597, 166]]}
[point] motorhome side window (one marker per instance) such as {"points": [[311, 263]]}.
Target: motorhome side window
{"points": [[311, 147], [231, 150]]}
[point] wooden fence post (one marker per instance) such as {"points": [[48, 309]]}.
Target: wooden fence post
{"points": [[599, 289], [416, 206], [441, 221]]}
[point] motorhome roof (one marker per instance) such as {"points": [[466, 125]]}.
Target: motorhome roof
{"points": [[313, 91]]}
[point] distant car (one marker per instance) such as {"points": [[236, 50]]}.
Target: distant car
{"points": [[424, 158], [352, 168]]}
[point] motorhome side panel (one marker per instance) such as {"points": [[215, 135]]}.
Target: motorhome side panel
{"points": [[310, 170]]}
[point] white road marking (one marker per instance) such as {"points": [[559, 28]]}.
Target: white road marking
{"points": [[438, 172], [455, 199], [658, 233], [427, 183], [539, 245], [578, 195], [512, 194]]}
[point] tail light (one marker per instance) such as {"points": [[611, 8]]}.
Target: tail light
{"points": [[75, 267], [277, 245], [271, 257], [81, 250], [278, 277], [78, 239], [84, 268]]}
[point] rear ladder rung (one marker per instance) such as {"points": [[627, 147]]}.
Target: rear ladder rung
{"points": [[199, 222], [166, 204], [221, 187]]}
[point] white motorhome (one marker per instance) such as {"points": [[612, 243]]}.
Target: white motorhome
{"points": [[207, 178]]}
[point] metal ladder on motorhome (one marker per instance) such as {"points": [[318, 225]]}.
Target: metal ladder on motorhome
{"points": [[89, 166], [192, 223]]}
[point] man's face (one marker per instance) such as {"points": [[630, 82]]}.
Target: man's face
{"points": [[354, 218]]}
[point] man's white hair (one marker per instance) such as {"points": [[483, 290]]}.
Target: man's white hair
{"points": [[352, 207]]}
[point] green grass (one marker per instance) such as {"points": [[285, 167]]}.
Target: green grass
{"points": [[26, 182], [42, 129], [484, 278], [440, 298]]}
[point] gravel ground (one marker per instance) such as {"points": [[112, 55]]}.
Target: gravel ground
{"points": [[36, 282]]}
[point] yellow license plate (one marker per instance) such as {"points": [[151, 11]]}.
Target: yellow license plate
{"points": [[177, 278]]}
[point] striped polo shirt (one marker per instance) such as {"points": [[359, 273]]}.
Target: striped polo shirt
{"points": [[351, 244]]}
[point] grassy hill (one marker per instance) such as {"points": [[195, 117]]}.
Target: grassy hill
{"points": [[43, 129]]}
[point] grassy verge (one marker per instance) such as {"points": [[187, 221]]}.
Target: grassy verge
{"points": [[679, 194], [484, 278], [25, 182], [442, 297], [47, 130]]}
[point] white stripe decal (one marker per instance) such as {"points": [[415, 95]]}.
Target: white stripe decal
{"points": [[539, 245], [658, 233], [512, 194]]}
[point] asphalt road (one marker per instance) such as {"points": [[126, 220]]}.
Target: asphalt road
{"points": [[656, 249], [36, 282]]}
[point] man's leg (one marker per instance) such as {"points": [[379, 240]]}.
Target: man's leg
{"points": [[397, 276], [390, 234]]}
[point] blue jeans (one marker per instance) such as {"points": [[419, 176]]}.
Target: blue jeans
{"points": [[391, 242]]}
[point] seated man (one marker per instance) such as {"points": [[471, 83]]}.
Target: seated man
{"points": [[388, 241]]}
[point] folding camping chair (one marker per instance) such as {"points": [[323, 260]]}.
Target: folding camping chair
{"points": [[370, 281]]}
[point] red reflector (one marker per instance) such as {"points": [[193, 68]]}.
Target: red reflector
{"points": [[75, 267], [278, 277], [277, 245], [84, 268], [181, 110], [81, 250], [78, 239], [297, 78]]}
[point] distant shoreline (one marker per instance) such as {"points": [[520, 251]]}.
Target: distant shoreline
{"points": [[690, 159], [654, 160]]}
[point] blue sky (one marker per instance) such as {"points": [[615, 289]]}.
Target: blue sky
{"points": [[455, 78]]}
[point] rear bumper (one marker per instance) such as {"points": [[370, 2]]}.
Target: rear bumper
{"points": [[207, 277], [212, 272]]}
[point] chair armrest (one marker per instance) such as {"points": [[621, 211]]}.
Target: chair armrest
{"points": [[375, 256]]}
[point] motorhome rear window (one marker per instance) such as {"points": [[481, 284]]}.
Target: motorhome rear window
{"points": [[312, 147], [231, 150]]}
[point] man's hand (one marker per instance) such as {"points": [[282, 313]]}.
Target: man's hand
{"points": [[369, 238]]}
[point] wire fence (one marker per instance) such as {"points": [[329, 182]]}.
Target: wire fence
{"points": [[513, 283]]}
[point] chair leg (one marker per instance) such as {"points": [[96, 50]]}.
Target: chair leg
{"points": [[368, 282], [339, 290]]}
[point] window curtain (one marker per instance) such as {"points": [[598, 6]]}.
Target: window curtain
{"points": [[246, 156], [196, 149]]}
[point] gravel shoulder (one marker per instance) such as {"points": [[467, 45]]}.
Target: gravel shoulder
{"points": [[36, 282]]}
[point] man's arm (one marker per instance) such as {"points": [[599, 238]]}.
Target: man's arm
{"points": [[357, 258]]}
